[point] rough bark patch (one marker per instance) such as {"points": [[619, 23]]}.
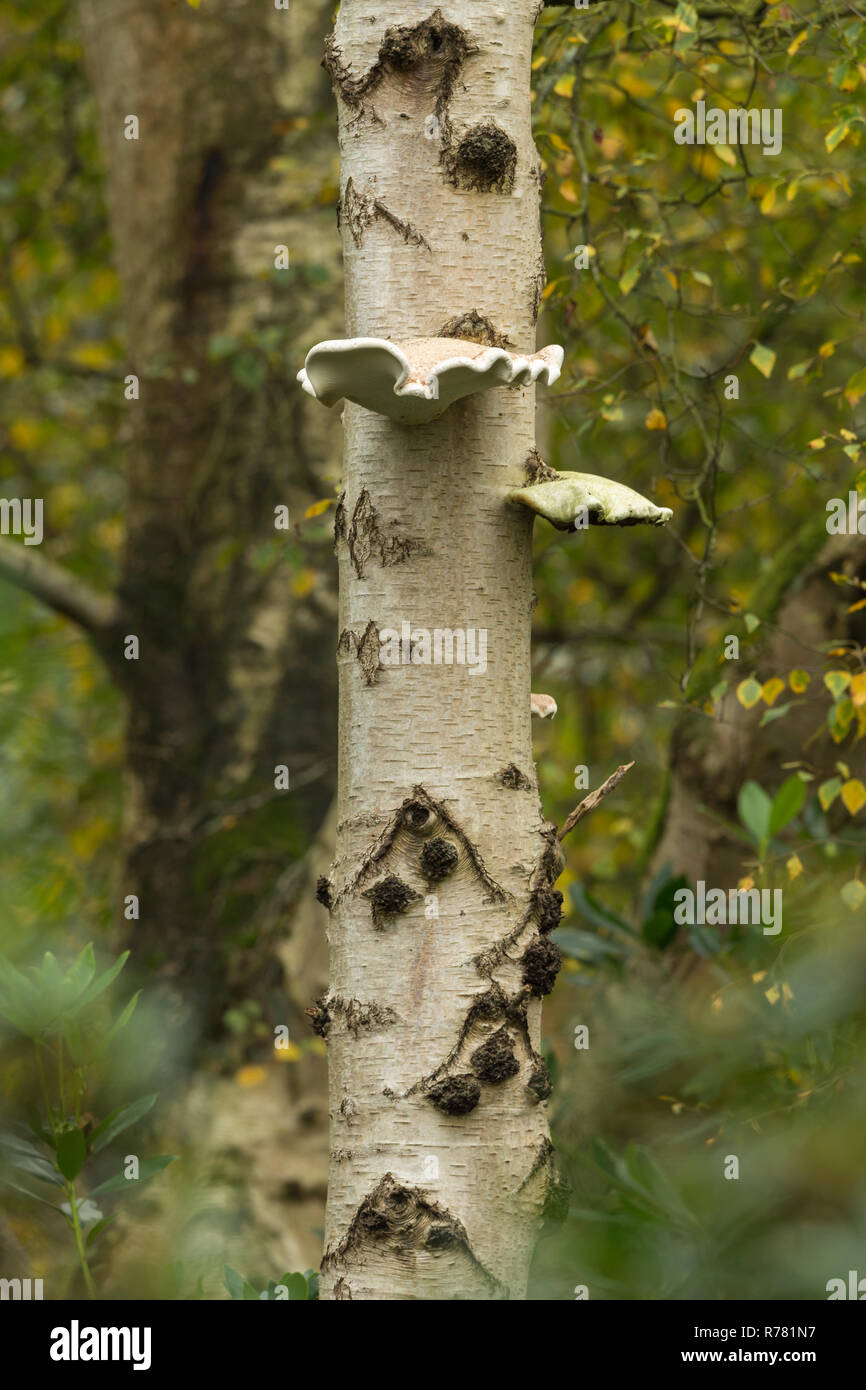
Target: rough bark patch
{"points": [[323, 891], [434, 48], [540, 1084], [421, 815], [543, 1158], [340, 520], [537, 285], [483, 161], [389, 898], [360, 1017], [367, 538], [475, 328], [455, 1095], [366, 649], [541, 961], [320, 1018], [398, 1219], [438, 859], [513, 779], [361, 210], [495, 1061], [548, 867], [537, 471]]}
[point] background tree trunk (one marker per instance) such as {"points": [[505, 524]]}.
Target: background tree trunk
{"points": [[235, 675], [440, 223]]}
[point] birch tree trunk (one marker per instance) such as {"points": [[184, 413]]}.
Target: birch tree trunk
{"points": [[441, 890]]}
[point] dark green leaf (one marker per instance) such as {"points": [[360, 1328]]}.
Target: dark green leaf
{"points": [[71, 1153], [119, 1120]]}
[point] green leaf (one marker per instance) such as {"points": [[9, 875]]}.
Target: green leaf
{"points": [[148, 1169], [778, 713], [764, 359], [20, 1154], [119, 1120], [297, 1287], [587, 946], [755, 808], [598, 914], [96, 1230], [16, 1187], [101, 983], [123, 1018], [71, 1153], [233, 1281], [787, 803]]}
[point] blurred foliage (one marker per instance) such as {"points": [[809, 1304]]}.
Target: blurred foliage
{"points": [[60, 375], [53, 1008], [701, 262]]}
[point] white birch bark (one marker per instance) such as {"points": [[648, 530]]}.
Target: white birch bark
{"points": [[440, 227]]}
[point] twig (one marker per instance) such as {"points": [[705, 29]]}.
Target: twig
{"points": [[57, 587], [590, 802]]}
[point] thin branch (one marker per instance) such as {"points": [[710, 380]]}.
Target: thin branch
{"points": [[55, 586], [590, 802]]}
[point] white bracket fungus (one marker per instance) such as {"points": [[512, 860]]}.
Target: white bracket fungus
{"points": [[571, 501], [542, 706], [416, 380]]}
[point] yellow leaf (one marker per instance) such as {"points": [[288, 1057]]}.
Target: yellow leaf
{"points": [[857, 688], [195, 3], [303, 582], [854, 796], [24, 434], [673, 279], [794, 867], [855, 608], [656, 420], [817, 443], [290, 1053], [799, 681], [11, 361], [565, 86], [317, 508], [568, 191], [250, 1076], [768, 202], [557, 142], [800, 39], [827, 350], [772, 689]]}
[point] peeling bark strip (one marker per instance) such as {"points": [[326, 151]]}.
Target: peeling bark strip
{"points": [[437, 1118]]}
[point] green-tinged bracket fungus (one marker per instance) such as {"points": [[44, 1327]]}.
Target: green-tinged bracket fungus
{"points": [[416, 381], [571, 501]]}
